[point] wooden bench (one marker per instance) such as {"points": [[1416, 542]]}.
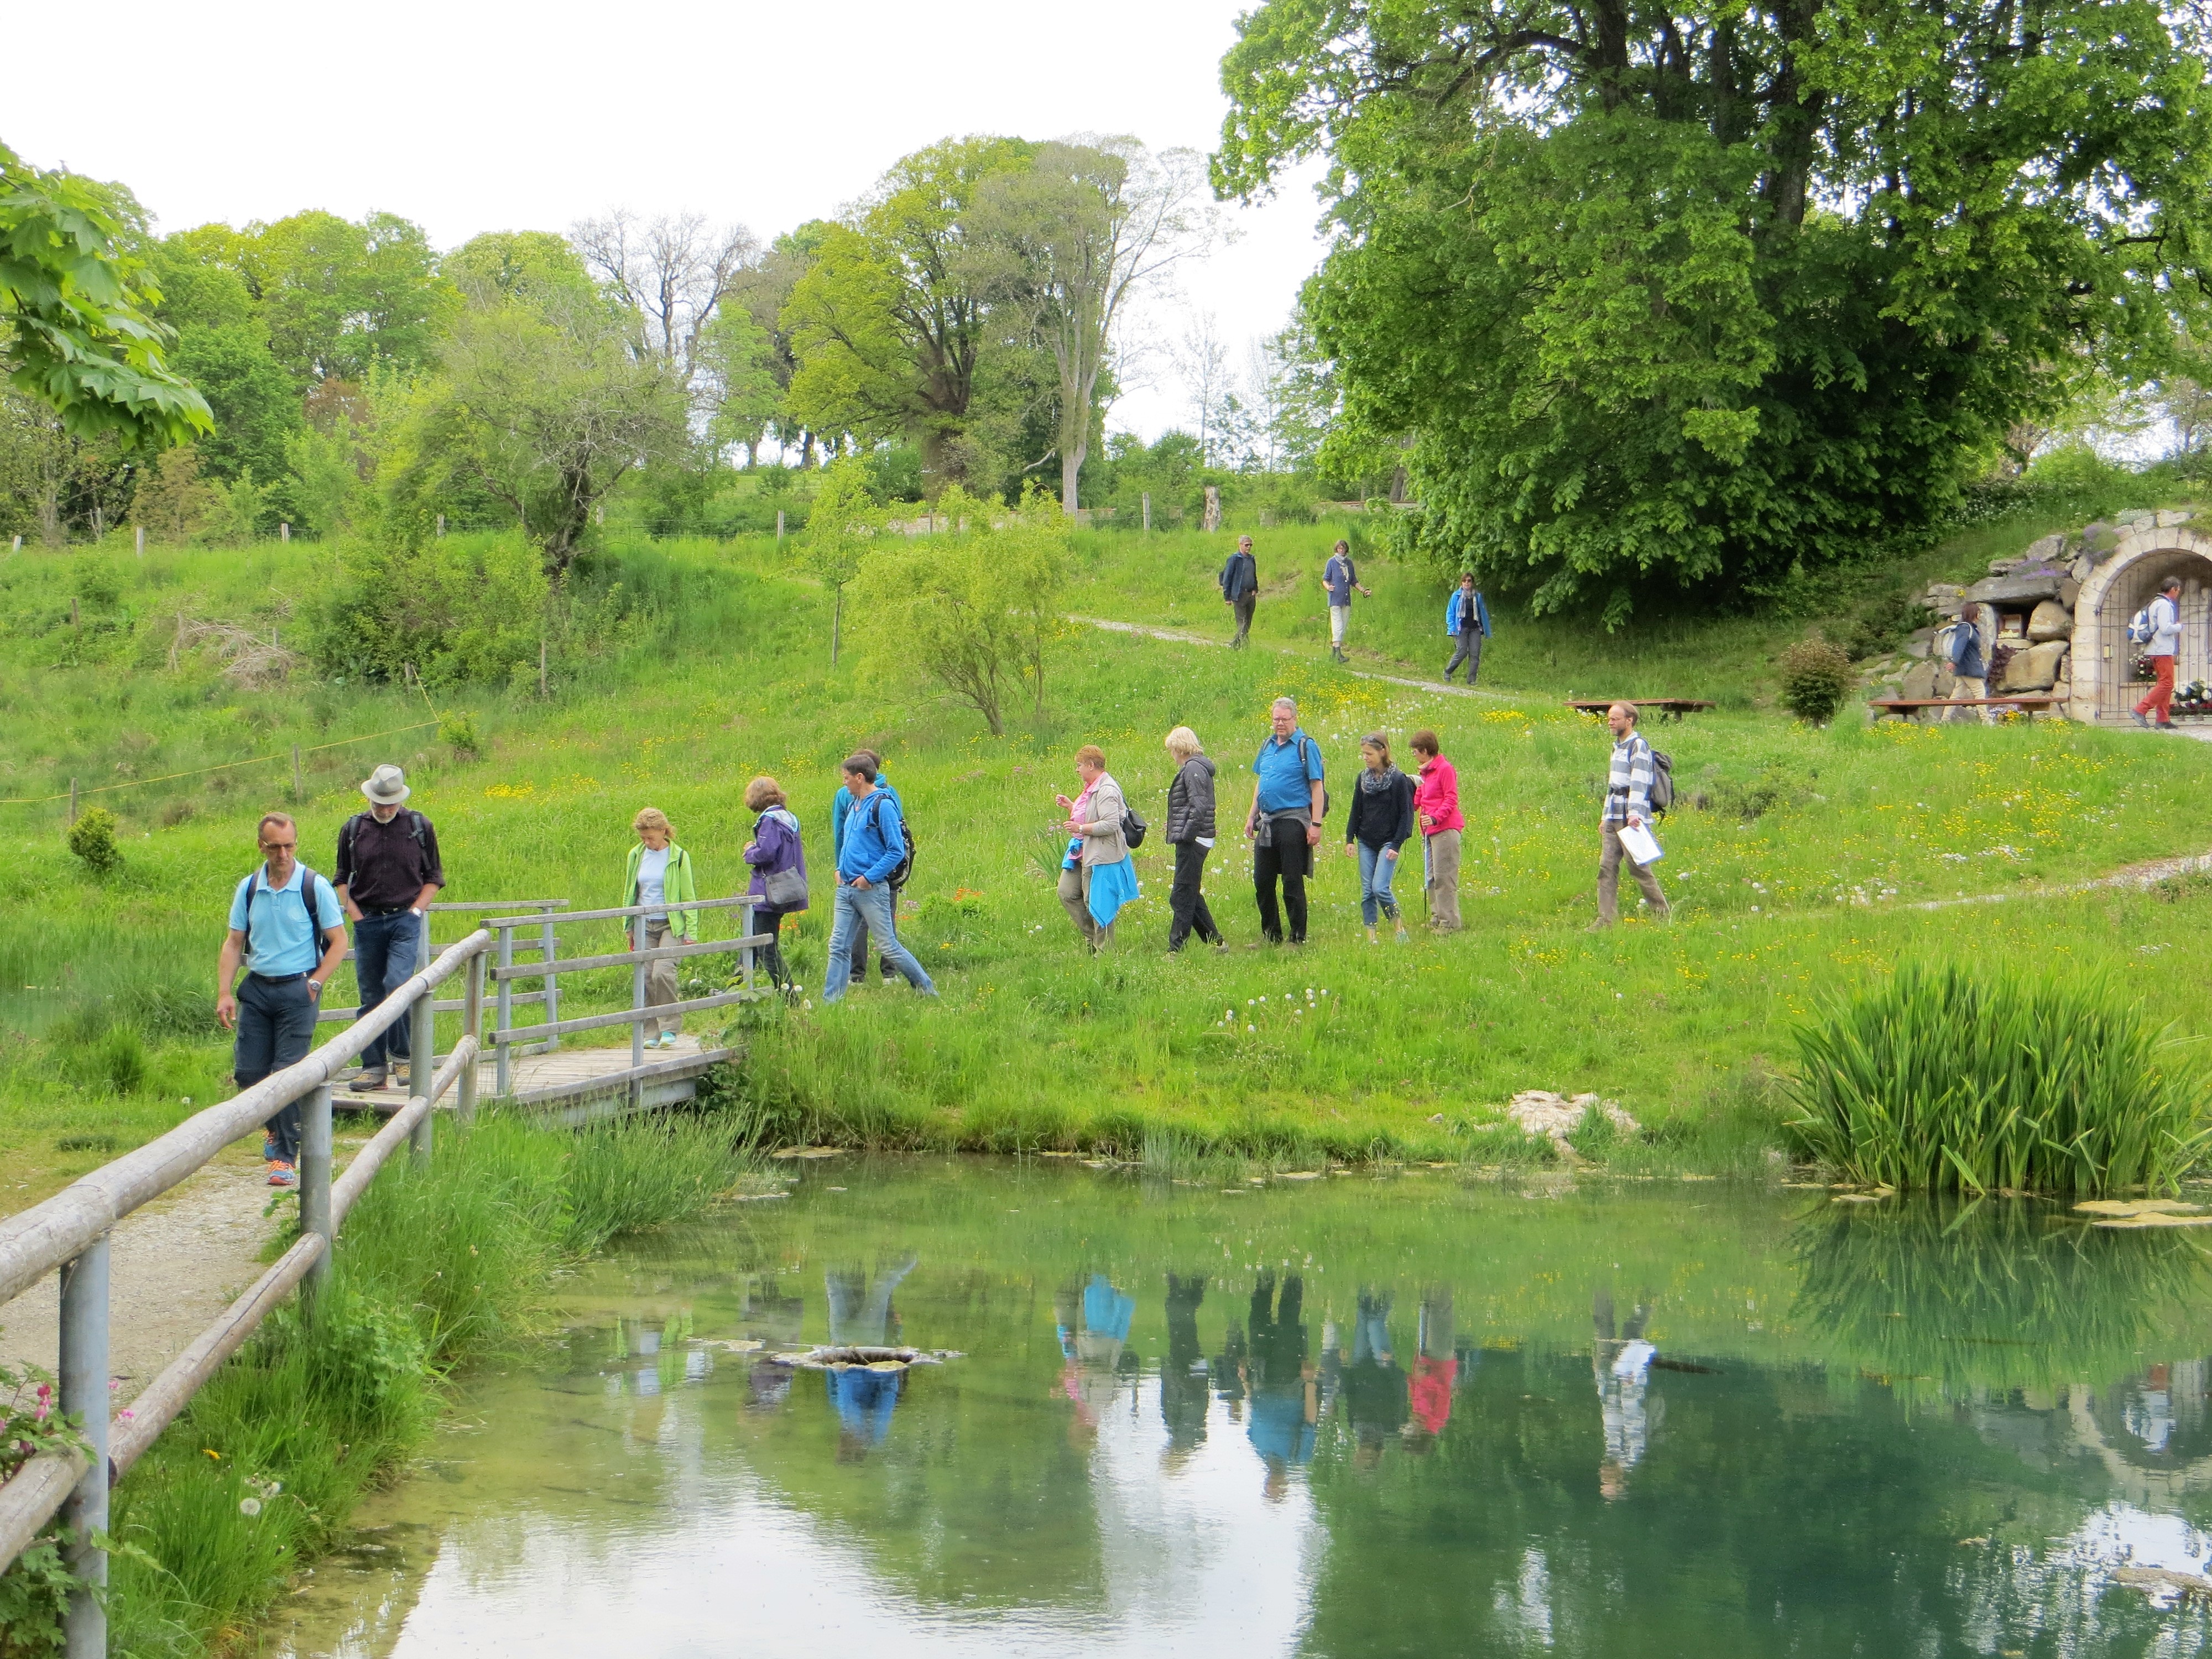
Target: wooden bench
{"points": [[1677, 707], [2030, 700]]}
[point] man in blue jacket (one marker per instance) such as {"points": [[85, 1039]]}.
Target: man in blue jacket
{"points": [[1466, 619], [870, 848], [841, 808]]}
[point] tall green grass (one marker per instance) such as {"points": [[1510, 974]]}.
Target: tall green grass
{"points": [[438, 1266], [1946, 1080]]}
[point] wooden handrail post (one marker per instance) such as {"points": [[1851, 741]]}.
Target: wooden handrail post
{"points": [[750, 931], [637, 1021], [84, 1397], [552, 982], [315, 1214], [504, 1085], [424, 1064], [471, 1026]]}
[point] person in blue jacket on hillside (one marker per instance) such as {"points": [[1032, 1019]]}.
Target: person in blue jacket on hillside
{"points": [[869, 848], [840, 808], [1466, 619]]}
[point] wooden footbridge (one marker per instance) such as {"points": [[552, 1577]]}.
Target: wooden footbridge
{"points": [[525, 1066]]}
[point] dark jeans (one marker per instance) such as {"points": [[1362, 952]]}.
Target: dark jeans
{"points": [[860, 943], [1243, 608], [769, 957], [384, 949], [1185, 901], [1287, 855], [276, 1029], [1467, 648]]}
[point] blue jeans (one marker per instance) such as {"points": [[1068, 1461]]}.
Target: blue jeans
{"points": [[870, 906], [1375, 874], [384, 949]]}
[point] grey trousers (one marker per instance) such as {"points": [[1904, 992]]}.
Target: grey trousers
{"points": [[1467, 648], [1608, 878], [1440, 862], [1075, 899], [660, 979], [1243, 608]]}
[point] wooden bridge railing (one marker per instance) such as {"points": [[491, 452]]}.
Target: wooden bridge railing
{"points": [[69, 1232]]}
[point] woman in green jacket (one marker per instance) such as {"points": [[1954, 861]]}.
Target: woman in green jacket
{"points": [[660, 873]]}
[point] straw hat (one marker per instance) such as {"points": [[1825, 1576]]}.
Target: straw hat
{"points": [[386, 786]]}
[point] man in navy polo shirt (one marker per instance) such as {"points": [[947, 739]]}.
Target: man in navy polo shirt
{"points": [[1284, 822], [286, 926]]}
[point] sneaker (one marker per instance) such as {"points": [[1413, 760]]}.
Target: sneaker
{"points": [[668, 1039], [2166, 726], [2136, 716], [367, 1082], [281, 1174], [270, 1151]]}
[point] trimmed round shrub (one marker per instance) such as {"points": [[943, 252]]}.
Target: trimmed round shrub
{"points": [[92, 838], [1816, 677]]}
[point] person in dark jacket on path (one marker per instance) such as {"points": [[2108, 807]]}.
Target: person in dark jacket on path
{"points": [[1378, 826], [1240, 586], [1467, 620], [775, 850], [1969, 665], [387, 872], [1190, 832]]}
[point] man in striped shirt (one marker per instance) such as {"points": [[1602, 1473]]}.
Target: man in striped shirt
{"points": [[1627, 801]]}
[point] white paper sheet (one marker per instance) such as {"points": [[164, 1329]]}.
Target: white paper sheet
{"points": [[1639, 844]]}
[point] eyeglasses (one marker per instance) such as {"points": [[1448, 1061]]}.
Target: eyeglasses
{"points": [[278, 846]]}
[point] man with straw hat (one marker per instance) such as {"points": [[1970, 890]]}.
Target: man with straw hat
{"points": [[387, 874]]}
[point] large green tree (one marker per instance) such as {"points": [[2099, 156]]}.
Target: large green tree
{"points": [[78, 331], [1687, 297], [895, 323]]}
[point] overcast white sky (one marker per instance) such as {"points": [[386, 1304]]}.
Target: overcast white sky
{"points": [[469, 115]]}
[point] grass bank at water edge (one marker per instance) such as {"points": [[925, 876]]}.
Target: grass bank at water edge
{"points": [[439, 1267]]}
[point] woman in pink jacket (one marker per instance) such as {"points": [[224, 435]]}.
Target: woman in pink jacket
{"points": [[1436, 809]]}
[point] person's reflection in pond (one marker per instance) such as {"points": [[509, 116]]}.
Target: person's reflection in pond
{"points": [[1093, 1324], [1229, 1370], [1183, 1373], [860, 1307], [779, 1321], [1374, 1383], [1622, 1366], [864, 1399], [768, 1385], [1435, 1372], [1285, 1391]]}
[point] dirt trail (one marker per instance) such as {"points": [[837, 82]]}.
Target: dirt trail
{"points": [[1183, 636], [174, 1265]]}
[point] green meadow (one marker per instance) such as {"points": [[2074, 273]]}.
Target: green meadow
{"points": [[1802, 861]]}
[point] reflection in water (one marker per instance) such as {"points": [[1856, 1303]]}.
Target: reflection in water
{"points": [[1782, 1467]]}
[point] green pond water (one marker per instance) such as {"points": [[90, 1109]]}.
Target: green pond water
{"points": [[1343, 1416]]}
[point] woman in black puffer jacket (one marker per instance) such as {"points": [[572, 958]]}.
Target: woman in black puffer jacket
{"points": [[1190, 832]]}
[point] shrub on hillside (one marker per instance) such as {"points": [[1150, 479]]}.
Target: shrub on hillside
{"points": [[1816, 677], [92, 838], [1945, 1080]]}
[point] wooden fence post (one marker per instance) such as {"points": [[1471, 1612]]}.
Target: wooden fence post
{"points": [[551, 982], [1147, 498], [315, 1214], [504, 1084], [778, 528], [540, 668], [422, 1066], [472, 1028], [72, 801], [138, 538], [295, 772], [283, 531], [84, 1374], [637, 1026]]}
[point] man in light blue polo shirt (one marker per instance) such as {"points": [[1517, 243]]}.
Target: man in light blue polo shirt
{"points": [[1288, 803], [286, 927]]}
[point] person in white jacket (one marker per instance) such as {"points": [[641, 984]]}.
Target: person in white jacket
{"points": [[2164, 618]]}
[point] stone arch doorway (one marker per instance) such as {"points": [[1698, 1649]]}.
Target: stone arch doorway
{"points": [[2101, 658]]}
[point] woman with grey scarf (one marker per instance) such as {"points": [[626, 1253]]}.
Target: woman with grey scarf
{"points": [[1378, 826]]}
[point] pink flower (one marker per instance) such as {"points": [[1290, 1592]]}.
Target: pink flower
{"points": [[46, 1401]]}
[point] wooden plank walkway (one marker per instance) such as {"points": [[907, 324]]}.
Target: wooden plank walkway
{"points": [[569, 1079]]}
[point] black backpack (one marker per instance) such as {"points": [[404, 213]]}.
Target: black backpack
{"points": [[1133, 829], [1303, 741], [308, 880], [1662, 782], [416, 824], [897, 877]]}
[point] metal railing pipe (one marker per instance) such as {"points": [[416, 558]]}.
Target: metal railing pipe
{"points": [[472, 1036], [84, 1376]]}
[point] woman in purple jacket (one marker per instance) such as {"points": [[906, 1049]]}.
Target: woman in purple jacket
{"points": [[775, 855]]}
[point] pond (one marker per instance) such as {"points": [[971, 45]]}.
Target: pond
{"points": [[1342, 1415]]}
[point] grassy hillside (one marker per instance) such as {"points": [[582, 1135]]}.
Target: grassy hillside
{"points": [[1798, 877]]}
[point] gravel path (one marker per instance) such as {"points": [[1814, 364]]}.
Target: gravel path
{"points": [[174, 1265], [1182, 636]]}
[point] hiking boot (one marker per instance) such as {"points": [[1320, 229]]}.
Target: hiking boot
{"points": [[2136, 716], [367, 1082], [281, 1174]]}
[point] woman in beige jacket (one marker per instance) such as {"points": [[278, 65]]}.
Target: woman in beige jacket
{"points": [[1095, 842]]}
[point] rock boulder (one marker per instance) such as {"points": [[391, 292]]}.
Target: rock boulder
{"points": [[2036, 668], [2050, 621], [2021, 587], [1919, 681]]}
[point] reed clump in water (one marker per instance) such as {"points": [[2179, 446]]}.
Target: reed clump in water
{"points": [[1945, 1080]]}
